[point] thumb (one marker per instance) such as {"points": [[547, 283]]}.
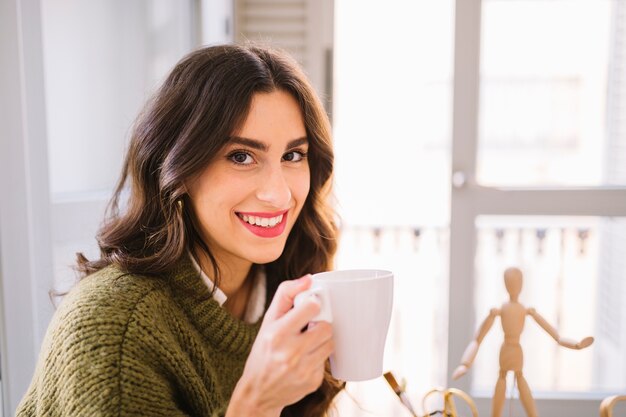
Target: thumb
{"points": [[285, 294]]}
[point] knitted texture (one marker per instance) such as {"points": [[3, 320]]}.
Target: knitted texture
{"points": [[127, 345]]}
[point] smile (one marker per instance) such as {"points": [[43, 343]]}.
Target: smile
{"points": [[261, 221], [266, 225]]}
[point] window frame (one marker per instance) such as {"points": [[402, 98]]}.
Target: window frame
{"points": [[25, 240]]}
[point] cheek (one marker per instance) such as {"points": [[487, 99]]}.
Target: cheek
{"points": [[212, 199], [223, 190], [301, 187]]}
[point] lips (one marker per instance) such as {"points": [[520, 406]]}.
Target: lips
{"points": [[266, 225]]}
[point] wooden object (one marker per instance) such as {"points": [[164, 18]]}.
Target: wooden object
{"points": [[606, 407], [512, 316], [400, 392], [449, 407]]}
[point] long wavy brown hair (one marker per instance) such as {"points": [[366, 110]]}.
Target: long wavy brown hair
{"points": [[202, 102]]}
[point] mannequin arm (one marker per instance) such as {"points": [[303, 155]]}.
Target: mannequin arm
{"points": [[472, 349], [568, 343]]}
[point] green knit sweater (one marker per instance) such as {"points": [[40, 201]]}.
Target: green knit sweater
{"points": [[127, 345]]}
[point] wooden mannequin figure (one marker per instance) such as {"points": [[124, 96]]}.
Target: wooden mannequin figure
{"points": [[512, 315]]}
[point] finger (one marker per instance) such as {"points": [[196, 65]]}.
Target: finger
{"points": [[322, 352], [298, 317], [285, 294], [312, 339]]}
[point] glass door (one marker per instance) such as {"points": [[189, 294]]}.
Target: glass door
{"points": [[538, 183], [472, 136]]}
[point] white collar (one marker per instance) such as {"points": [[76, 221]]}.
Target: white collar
{"points": [[218, 295]]}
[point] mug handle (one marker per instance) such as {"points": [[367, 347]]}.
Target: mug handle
{"points": [[323, 297]]}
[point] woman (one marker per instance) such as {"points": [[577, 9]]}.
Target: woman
{"points": [[228, 172]]}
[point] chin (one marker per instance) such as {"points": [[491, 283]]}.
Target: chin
{"points": [[266, 256]]}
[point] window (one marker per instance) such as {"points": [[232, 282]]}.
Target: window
{"points": [[550, 97], [574, 279]]}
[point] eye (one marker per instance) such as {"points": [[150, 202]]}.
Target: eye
{"points": [[294, 156], [241, 158]]}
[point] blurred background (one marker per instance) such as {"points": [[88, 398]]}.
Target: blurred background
{"points": [[470, 136]]}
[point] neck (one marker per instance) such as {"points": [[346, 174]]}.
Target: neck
{"points": [[233, 274], [233, 280], [237, 303]]}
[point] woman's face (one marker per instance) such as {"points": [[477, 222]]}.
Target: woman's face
{"points": [[248, 199]]}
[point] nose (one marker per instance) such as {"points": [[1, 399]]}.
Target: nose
{"points": [[273, 188]]}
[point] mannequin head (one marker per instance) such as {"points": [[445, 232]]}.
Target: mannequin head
{"points": [[513, 281]]}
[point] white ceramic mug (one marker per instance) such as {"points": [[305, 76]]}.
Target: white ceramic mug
{"points": [[358, 303]]}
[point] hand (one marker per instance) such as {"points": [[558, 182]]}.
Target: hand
{"points": [[459, 371], [568, 343], [587, 341], [285, 363]]}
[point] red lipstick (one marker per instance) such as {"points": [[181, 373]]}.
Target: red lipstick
{"points": [[265, 231]]}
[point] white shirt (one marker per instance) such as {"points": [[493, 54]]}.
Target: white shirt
{"points": [[256, 302]]}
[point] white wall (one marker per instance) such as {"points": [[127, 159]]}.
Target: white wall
{"points": [[102, 59], [73, 75]]}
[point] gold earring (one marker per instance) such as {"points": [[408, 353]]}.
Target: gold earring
{"points": [[180, 203]]}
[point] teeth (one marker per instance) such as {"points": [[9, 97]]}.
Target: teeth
{"points": [[262, 221]]}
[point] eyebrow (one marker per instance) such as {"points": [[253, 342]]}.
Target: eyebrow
{"points": [[261, 146]]}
